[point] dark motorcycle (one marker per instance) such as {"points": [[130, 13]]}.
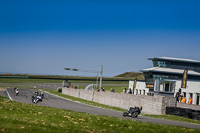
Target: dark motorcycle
{"points": [[133, 112]]}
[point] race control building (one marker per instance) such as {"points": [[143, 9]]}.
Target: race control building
{"points": [[165, 78]]}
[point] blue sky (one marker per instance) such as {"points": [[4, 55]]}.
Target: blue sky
{"points": [[43, 37]]}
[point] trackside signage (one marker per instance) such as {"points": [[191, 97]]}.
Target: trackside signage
{"points": [[184, 80]]}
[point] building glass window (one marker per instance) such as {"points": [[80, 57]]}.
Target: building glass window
{"points": [[161, 63], [172, 86], [167, 86], [184, 93]]}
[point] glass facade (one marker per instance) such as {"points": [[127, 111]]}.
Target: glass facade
{"points": [[164, 86], [176, 65], [150, 76], [161, 63]]}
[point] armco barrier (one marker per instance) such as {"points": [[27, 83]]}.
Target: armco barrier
{"points": [[151, 104]]}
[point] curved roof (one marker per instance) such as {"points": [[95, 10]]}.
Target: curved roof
{"points": [[175, 59], [170, 70]]}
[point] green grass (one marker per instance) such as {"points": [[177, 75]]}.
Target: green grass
{"points": [[15, 80], [18, 80], [117, 89], [22, 118], [107, 88], [103, 82], [19, 86]]}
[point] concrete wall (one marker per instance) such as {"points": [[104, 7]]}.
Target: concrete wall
{"points": [[189, 106], [151, 104]]}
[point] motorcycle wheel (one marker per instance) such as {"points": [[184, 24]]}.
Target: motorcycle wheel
{"points": [[134, 114], [36, 101], [125, 114]]}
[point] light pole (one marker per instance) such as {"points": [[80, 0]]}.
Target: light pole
{"points": [[90, 71], [101, 72]]}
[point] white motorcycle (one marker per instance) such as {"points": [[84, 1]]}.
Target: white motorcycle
{"points": [[16, 91], [36, 99]]}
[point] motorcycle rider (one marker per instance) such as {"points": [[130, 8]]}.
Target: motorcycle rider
{"points": [[15, 88], [16, 91], [36, 93], [140, 108], [133, 111]]}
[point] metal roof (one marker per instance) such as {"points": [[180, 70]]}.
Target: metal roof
{"points": [[174, 59], [170, 70]]}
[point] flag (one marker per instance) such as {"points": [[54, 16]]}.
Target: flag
{"points": [[134, 85], [184, 80]]}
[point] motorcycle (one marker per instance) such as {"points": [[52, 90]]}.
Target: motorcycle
{"points": [[133, 112], [36, 99], [16, 92]]}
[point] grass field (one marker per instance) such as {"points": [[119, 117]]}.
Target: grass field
{"points": [[22, 118], [107, 88], [18, 80], [103, 82], [118, 89]]}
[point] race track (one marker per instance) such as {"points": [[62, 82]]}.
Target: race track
{"points": [[50, 100]]}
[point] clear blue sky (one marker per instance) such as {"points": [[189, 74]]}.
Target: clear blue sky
{"points": [[44, 36]]}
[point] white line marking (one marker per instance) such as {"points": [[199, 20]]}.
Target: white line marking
{"points": [[8, 94]]}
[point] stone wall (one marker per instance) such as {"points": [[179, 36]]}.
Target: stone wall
{"points": [[190, 106], [151, 104]]}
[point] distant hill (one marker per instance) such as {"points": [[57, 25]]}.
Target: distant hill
{"points": [[132, 75]]}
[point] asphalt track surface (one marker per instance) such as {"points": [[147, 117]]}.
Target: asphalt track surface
{"points": [[50, 100]]}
